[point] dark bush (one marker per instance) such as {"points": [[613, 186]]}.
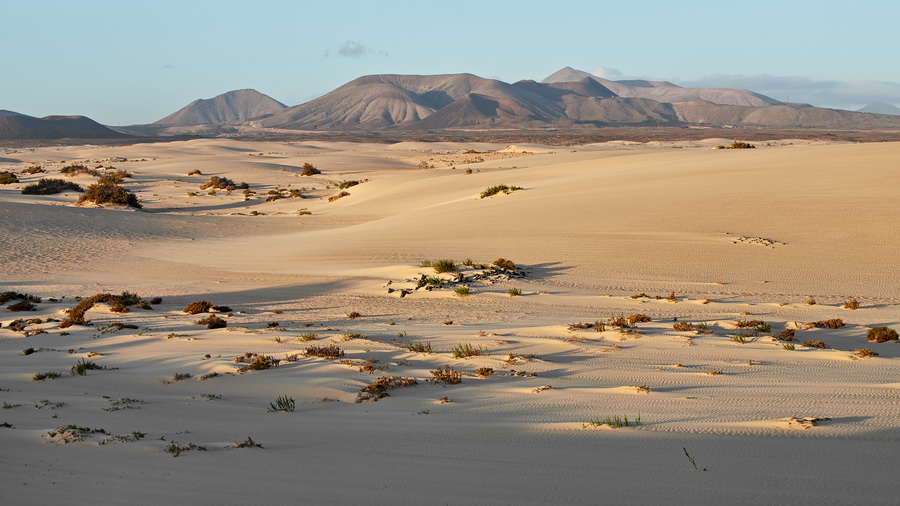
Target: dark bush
{"points": [[77, 169], [834, 323], [116, 302], [22, 305], [51, 187], [443, 265], [8, 178], [881, 334], [505, 264], [309, 170], [8, 296], [213, 322], [200, 306], [223, 183], [108, 191]]}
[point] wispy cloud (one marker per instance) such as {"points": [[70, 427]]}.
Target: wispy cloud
{"points": [[354, 49], [837, 94], [168, 66]]}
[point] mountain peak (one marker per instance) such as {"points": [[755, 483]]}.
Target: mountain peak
{"points": [[237, 105]]}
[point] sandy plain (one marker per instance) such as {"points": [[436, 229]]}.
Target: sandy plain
{"points": [[734, 234]]}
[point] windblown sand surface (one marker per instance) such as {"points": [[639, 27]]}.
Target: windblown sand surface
{"points": [[736, 235]]}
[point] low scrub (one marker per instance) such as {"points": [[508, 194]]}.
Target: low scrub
{"points": [[639, 318], [462, 291], [282, 403], [108, 191], [865, 353], [881, 334], [443, 265], [329, 351], [419, 347], [213, 322], [51, 187], [785, 335], [8, 178], [378, 389], [815, 344], [500, 188], [834, 323], [309, 170], [77, 169], [200, 306], [118, 303], [338, 196], [851, 304], [223, 183], [466, 350], [447, 376], [683, 326], [503, 263]]}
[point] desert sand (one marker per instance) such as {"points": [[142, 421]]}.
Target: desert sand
{"points": [[737, 242]]}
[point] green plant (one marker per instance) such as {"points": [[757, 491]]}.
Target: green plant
{"points": [[108, 191], [82, 366], [308, 336], [739, 338], [788, 346], [462, 291], [447, 375], [41, 376], [614, 422], [282, 403], [50, 187], [513, 292], [494, 190], [176, 449], [443, 265], [763, 328], [466, 350], [881, 334], [260, 363], [77, 169], [34, 169], [343, 185], [425, 263], [419, 347]]}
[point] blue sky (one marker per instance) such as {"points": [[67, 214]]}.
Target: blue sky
{"points": [[127, 62]]}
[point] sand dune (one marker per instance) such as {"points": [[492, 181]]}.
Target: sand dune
{"points": [[735, 234]]}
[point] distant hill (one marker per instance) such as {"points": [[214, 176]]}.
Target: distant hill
{"points": [[19, 126], [664, 91], [881, 108], [239, 105]]}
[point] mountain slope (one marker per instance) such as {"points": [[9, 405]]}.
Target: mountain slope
{"points": [[239, 105], [664, 91], [20, 126], [880, 108]]}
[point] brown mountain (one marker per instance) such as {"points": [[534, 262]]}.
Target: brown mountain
{"points": [[19, 126], [239, 105], [664, 91]]}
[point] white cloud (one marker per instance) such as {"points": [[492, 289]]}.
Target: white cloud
{"points": [[354, 49]]}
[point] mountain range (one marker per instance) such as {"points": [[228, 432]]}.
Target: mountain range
{"points": [[568, 98]]}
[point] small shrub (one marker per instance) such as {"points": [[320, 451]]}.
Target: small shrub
{"points": [[447, 375], [443, 265], [683, 326], [785, 335], [419, 347], [260, 363], [462, 291], [881, 334], [834, 323], [866, 353], [746, 324], [763, 327], [672, 297], [51, 187], [119, 175], [514, 292], [8, 178], [353, 315], [195, 172], [466, 350], [176, 449], [338, 196], [815, 344], [34, 169], [223, 183], [618, 322], [788, 346], [329, 351], [494, 190], [740, 145], [108, 191], [22, 305], [200, 306], [282, 403], [82, 366], [77, 169], [156, 300], [347, 184], [505, 264], [851, 304], [249, 442], [309, 170], [638, 318], [810, 301], [309, 336], [378, 389], [484, 372], [212, 322], [740, 338], [41, 376]]}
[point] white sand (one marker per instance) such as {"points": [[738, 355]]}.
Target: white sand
{"points": [[757, 232]]}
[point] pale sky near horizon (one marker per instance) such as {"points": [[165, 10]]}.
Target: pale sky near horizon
{"points": [[129, 62]]}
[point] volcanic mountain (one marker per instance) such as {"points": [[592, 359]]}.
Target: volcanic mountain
{"points": [[20, 126], [239, 105], [880, 108]]}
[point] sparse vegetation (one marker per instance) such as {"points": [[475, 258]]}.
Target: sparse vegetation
{"points": [[811, 301], [466, 350], [77, 169], [378, 389], [788, 346], [514, 292], [638, 318], [834, 323], [282, 403], [462, 291], [108, 191], [614, 422], [309, 170], [851, 304], [200, 306], [419, 347], [82, 366], [8, 178], [881, 334], [353, 315], [176, 449], [213, 322], [785, 335], [447, 375], [484, 372], [442, 266], [501, 188], [223, 183], [865, 353], [815, 344], [683, 326], [328, 351], [503, 263], [51, 187], [41, 376], [338, 196]]}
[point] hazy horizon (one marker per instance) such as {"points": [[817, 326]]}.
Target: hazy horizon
{"points": [[123, 63]]}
